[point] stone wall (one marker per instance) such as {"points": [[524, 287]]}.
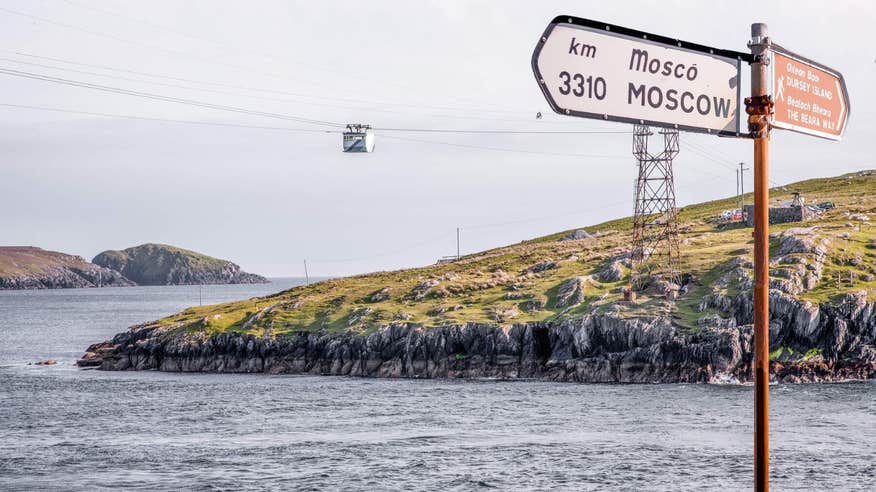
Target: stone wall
{"points": [[780, 215]]}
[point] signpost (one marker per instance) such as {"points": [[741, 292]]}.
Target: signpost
{"points": [[595, 70], [759, 108], [809, 97]]}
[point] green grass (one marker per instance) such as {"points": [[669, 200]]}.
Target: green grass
{"points": [[476, 285], [790, 354], [779, 352], [25, 260]]}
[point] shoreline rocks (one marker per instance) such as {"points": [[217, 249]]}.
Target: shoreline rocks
{"points": [[832, 344], [161, 264], [28, 268], [49, 362]]}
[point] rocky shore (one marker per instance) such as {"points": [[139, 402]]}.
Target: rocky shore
{"points": [[26, 267], [161, 264], [817, 345], [555, 308]]}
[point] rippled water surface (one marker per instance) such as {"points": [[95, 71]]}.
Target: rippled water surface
{"points": [[68, 429]]}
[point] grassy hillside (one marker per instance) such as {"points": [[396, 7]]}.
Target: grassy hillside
{"points": [[162, 264], [28, 260], [192, 257], [548, 278], [27, 267]]}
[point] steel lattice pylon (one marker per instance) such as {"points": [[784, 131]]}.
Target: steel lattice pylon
{"points": [[655, 250]]}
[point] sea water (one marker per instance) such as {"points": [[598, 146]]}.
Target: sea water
{"points": [[62, 428]]}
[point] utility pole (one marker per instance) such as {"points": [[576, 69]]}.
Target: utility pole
{"points": [[759, 107], [201, 294], [738, 202], [457, 243], [742, 189], [306, 276]]}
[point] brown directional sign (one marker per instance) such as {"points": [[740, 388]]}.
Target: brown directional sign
{"points": [[809, 97]]}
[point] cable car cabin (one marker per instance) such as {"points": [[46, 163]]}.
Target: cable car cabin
{"points": [[358, 138]]}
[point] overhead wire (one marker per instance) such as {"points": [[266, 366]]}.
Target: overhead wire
{"points": [[347, 102], [145, 45], [166, 120], [141, 81], [119, 90], [703, 152], [248, 69], [386, 253], [479, 226], [189, 88], [284, 100], [310, 130], [601, 207], [697, 149], [506, 132], [189, 80], [357, 100], [432, 142], [707, 157], [262, 127], [160, 97], [202, 104], [604, 206], [202, 38], [725, 161], [504, 149], [283, 59], [722, 160]]}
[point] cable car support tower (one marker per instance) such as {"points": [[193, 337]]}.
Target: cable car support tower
{"points": [[655, 252]]}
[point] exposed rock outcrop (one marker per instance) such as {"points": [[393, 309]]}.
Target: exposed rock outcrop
{"points": [[559, 310], [380, 295], [611, 272], [422, 289], [577, 235], [27, 267], [539, 267], [834, 343], [571, 292], [159, 264]]}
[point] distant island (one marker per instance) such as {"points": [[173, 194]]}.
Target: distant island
{"points": [[161, 264], [553, 308], [28, 267]]}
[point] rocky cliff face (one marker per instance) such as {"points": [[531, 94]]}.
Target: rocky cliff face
{"points": [[158, 264], [28, 267], [553, 308], [839, 345]]}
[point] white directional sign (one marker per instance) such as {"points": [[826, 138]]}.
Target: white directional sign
{"points": [[596, 70]]}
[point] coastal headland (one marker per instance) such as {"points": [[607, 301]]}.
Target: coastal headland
{"points": [[553, 308]]}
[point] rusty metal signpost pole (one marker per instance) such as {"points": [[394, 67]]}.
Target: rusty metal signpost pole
{"points": [[791, 92], [590, 69], [759, 107]]}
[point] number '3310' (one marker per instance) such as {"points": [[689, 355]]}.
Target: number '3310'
{"points": [[579, 86]]}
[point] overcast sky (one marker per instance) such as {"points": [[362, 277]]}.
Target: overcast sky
{"points": [[269, 198]]}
